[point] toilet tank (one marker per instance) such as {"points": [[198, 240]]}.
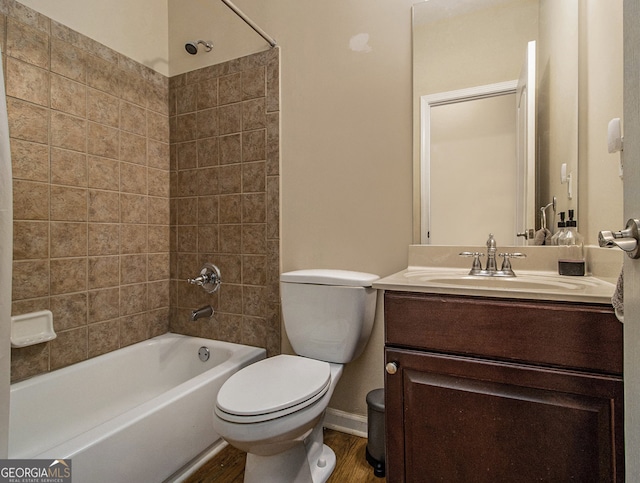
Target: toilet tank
{"points": [[328, 314]]}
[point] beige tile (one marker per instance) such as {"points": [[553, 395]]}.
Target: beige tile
{"points": [[208, 183], [69, 347], [230, 119], [30, 240], [68, 61], [159, 211], [231, 298], [104, 272], [104, 206], [207, 238], [207, 123], [103, 140], [208, 209], [254, 114], [254, 145], [104, 337], [230, 208], [104, 173], [133, 178], [158, 294], [29, 361], [133, 268], [29, 17], [185, 128], [158, 266], [273, 144], [133, 299], [158, 182], [68, 132], [30, 200], [187, 211], [230, 149], [254, 239], [230, 179], [133, 329], [68, 204], [188, 238], [68, 96], [208, 152], [103, 108], [158, 96], [187, 155], [68, 239], [158, 154], [133, 148], [254, 208], [133, 239], [254, 83], [25, 285], [133, 118], [28, 121], [158, 126], [134, 88], [188, 182], [69, 311], [104, 239], [231, 266], [253, 300], [68, 167], [133, 208], [30, 161], [254, 177], [68, 275], [273, 207], [207, 93], [27, 82], [104, 304], [230, 238], [186, 99], [230, 88], [102, 75], [273, 86], [27, 44]]}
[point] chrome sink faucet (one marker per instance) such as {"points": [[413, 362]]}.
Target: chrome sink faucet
{"points": [[491, 269]]}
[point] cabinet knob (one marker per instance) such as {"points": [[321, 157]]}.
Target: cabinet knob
{"points": [[391, 367]]}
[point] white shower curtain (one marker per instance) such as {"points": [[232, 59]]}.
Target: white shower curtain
{"points": [[6, 256]]}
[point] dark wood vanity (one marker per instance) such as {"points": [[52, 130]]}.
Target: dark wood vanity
{"points": [[502, 390]]}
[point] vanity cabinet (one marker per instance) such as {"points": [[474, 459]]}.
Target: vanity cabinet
{"points": [[502, 390]]}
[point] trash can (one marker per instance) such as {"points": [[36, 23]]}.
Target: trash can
{"points": [[375, 431]]}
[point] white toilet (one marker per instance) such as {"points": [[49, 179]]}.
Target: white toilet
{"points": [[273, 409]]}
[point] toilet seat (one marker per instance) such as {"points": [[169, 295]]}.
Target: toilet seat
{"points": [[272, 388]]}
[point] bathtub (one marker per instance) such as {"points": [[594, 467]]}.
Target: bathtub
{"points": [[136, 414]]}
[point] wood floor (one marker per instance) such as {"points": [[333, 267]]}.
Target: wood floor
{"points": [[351, 467]]}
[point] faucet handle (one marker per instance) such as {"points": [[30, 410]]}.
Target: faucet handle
{"points": [[476, 266], [506, 263]]}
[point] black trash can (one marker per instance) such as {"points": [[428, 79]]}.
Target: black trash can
{"points": [[375, 429]]}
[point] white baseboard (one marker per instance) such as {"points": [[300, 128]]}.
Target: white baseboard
{"points": [[346, 422]]}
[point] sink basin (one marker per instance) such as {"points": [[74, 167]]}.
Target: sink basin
{"points": [[523, 282], [540, 285]]}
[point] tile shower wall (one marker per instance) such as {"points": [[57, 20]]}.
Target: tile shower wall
{"points": [[99, 145], [90, 150], [225, 198]]}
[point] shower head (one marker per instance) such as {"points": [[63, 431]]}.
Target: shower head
{"points": [[192, 47]]}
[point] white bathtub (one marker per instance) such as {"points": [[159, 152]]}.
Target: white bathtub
{"points": [[137, 414]]}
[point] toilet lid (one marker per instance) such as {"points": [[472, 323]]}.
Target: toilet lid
{"points": [[272, 388]]}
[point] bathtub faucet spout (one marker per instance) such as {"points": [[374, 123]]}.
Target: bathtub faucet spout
{"points": [[206, 311]]}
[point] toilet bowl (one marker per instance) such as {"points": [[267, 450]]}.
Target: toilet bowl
{"points": [[273, 409]]}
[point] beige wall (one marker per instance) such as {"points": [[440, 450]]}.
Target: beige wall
{"points": [[137, 29]]}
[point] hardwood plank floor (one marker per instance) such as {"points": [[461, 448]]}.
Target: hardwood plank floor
{"points": [[351, 467]]}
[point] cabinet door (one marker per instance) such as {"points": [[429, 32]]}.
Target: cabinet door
{"points": [[457, 419]]}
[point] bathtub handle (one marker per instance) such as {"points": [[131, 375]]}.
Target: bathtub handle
{"points": [[209, 278]]}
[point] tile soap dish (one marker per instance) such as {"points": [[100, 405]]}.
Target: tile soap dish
{"points": [[31, 329]]}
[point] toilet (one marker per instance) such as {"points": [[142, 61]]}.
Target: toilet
{"points": [[274, 409]]}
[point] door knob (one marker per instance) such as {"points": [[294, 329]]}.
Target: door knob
{"points": [[627, 239], [391, 368]]}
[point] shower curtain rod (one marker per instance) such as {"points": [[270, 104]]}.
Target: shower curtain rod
{"points": [[250, 22]]}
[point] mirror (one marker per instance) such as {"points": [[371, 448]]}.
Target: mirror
{"points": [[482, 162]]}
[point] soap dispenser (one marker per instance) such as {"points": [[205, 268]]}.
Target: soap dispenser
{"points": [[560, 231], [571, 250]]}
